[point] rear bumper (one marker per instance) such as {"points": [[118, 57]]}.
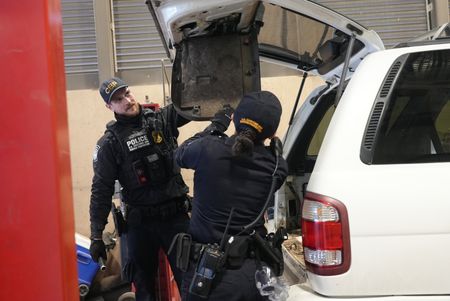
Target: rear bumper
{"points": [[302, 292]]}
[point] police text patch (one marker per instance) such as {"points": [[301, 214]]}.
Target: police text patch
{"points": [[137, 142]]}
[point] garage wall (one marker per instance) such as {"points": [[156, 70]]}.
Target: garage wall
{"points": [[137, 42]]}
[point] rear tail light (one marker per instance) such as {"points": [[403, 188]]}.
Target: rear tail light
{"points": [[326, 235]]}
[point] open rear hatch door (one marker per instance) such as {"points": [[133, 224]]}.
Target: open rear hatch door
{"points": [[216, 46]]}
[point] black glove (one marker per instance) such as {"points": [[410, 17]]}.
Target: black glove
{"points": [[222, 118], [97, 249], [276, 146]]}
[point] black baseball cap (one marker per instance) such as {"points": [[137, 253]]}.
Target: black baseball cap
{"points": [[110, 86], [260, 111]]}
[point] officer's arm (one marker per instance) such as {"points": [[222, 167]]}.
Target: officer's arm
{"points": [[105, 174], [172, 116], [188, 154]]}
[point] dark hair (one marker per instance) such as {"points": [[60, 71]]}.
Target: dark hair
{"points": [[244, 143]]}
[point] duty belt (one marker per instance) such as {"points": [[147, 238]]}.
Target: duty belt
{"points": [[188, 250]]}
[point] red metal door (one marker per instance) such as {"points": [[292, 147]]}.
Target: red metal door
{"points": [[37, 244]]}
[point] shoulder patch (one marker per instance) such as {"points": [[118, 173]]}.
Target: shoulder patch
{"points": [[94, 156]]}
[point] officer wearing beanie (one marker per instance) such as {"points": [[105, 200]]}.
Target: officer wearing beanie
{"points": [[232, 172], [137, 150]]}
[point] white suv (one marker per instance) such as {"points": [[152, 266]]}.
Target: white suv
{"points": [[366, 197], [374, 220]]}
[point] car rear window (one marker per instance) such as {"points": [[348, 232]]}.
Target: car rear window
{"points": [[415, 128], [301, 40]]}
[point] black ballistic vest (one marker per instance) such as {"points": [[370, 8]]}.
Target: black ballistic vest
{"points": [[146, 152]]}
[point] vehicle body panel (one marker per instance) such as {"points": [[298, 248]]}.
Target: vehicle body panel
{"points": [[398, 213], [304, 293]]}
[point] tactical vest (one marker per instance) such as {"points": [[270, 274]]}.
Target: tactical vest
{"points": [[146, 157]]}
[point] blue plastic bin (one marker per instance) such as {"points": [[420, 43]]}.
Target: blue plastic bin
{"points": [[87, 268]]}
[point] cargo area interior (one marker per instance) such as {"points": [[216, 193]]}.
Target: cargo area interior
{"points": [[301, 160]]}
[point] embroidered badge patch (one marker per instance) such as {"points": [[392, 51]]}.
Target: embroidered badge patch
{"points": [[157, 137]]}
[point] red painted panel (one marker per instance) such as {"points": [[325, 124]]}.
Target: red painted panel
{"points": [[37, 244], [166, 287]]}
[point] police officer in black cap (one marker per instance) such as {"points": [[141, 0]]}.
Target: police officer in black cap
{"points": [[232, 172], [137, 150]]}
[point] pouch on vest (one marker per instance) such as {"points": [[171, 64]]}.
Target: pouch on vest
{"points": [[156, 168], [182, 242], [140, 169]]}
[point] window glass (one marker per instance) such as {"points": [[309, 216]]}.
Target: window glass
{"points": [[319, 134], [297, 38], [416, 125]]}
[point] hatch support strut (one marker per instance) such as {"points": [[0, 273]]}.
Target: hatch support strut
{"points": [[300, 90], [344, 69]]}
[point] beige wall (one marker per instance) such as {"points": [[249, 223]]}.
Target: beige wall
{"points": [[88, 116], [440, 12]]}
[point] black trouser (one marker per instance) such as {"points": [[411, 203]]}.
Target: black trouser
{"points": [[229, 285], [143, 241]]}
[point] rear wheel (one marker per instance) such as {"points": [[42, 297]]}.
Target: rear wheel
{"points": [[84, 289], [128, 296]]}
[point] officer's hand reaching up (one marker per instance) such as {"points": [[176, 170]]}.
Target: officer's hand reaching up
{"points": [[97, 249], [222, 118]]}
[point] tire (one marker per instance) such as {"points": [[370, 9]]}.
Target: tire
{"points": [[83, 289], [128, 296]]}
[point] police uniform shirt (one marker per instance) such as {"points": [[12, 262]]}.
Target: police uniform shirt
{"points": [[223, 181]]}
